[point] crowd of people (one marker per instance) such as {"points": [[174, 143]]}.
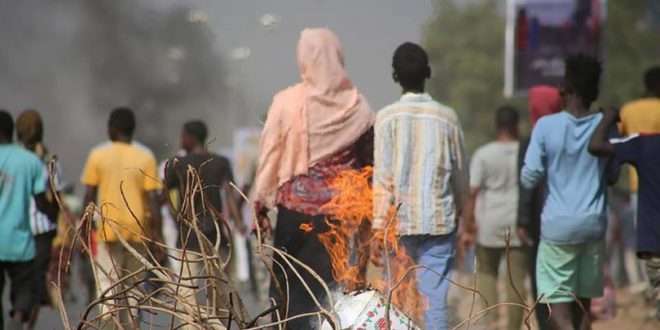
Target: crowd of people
{"points": [[538, 204]]}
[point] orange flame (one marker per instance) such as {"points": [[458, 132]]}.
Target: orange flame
{"points": [[351, 212], [306, 227]]}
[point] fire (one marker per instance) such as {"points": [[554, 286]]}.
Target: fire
{"points": [[306, 227], [406, 296], [351, 213]]}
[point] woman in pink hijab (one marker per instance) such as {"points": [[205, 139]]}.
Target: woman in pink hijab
{"points": [[314, 130]]}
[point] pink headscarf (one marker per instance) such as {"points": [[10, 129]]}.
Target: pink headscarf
{"points": [[543, 101], [312, 120]]}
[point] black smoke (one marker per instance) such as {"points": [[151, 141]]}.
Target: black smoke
{"points": [[75, 60]]}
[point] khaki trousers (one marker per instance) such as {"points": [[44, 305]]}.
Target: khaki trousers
{"points": [[488, 264], [192, 282], [114, 262]]}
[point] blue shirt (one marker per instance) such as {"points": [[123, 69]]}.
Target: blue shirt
{"points": [[21, 177], [575, 207], [643, 152]]}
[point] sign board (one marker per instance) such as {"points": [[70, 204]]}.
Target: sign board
{"points": [[540, 34]]}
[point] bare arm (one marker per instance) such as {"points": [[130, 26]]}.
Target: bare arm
{"points": [[469, 229], [599, 145], [470, 222], [156, 221], [460, 178], [233, 209], [90, 195]]}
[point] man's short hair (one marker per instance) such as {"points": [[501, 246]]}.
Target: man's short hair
{"points": [[6, 125], [507, 117], [582, 76], [652, 79], [123, 120], [196, 129], [410, 64]]}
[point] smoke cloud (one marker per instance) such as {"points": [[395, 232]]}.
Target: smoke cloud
{"points": [[75, 60]]}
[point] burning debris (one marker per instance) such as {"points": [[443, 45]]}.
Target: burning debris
{"points": [[351, 245], [367, 310]]}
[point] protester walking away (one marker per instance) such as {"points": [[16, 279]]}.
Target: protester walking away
{"points": [[121, 176], [215, 174], [642, 116], [420, 169], [569, 270], [314, 131], [30, 131], [22, 179], [493, 203], [543, 101], [640, 151]]}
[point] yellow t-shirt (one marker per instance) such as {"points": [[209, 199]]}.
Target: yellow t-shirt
{"points": [[640, 116], [115, 167]]}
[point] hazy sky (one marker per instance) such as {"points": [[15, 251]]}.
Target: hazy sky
{"points": [[369, 30]]}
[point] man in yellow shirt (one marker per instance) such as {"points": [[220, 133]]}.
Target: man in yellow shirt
{"points": [[121, 176]]}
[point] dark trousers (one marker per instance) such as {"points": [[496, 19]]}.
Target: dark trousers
{"points": [[307, 248], [43, 243], [21, 295]]}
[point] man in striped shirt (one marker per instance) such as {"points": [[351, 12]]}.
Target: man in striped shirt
{"points": [[420, 169]]}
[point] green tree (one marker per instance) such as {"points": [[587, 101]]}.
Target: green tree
{"points": [[466, 48], [631, 47]]}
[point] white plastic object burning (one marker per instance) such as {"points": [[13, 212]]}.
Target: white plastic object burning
{"points": [[366, 310]]}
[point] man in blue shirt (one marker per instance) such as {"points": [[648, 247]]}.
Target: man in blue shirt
{"points": [[21, 179], [642, 152], [573, 221]]}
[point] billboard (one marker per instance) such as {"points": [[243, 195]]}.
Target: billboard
{"points": [[541, 33]]}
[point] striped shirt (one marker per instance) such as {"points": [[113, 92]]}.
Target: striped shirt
{"points": [[39, 222], [419, 166]]}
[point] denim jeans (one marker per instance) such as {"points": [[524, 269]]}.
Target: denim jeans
{"points": [[436, 252]]}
